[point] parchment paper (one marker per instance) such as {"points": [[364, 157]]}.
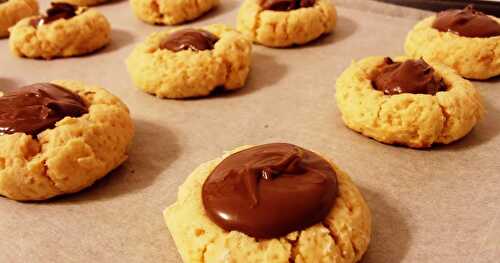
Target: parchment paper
{"points": [[437, 205]]}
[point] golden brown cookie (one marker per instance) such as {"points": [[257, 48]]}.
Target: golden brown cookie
{"points": [[11, 11], [166, 12], [81, 34], [70, 156], [187, 72], [343, 236], [415, 120], [471, 57], [286, 28]]}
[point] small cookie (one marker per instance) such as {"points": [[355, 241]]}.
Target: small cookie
{"points": [[183, 63], [65, 31], [82, 2], [465, 40], [407, 102], [166, 12], [277, 23], [275, 203], [59, 138], [11, 11]]}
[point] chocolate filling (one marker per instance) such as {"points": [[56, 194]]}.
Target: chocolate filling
{"points": [[411, 76], [56, 12], [3, 1], [193, 39], [35, 108], [286, 5], [270, 190], [467, 23]]}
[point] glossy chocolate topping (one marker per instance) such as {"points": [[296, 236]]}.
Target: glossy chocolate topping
{"points": [[35, 108], [467, 23], [286, 5], [270, 190], [194, 39], [411, 76], [57, 11], [3, 1]]}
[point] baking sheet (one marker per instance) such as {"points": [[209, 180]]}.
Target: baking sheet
{"points": [[438, 205]]}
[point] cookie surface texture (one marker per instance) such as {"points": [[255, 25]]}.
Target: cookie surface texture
{"points": [[286, 28], [190, 73], [472, 58], [414, 120], [342, 237], [72, 155]]}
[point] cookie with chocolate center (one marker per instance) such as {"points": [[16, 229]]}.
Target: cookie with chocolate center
{"points": [[64, 31], [190, 62], [284, 23], [465, 40], [407, 101], [264, 204], [59, 138]]}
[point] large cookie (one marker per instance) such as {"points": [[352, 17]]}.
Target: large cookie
{"points": [[415, 120], [342, 236], [11, 11], [73, 154], [169, 64], [69, 31], [286, 28]]}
